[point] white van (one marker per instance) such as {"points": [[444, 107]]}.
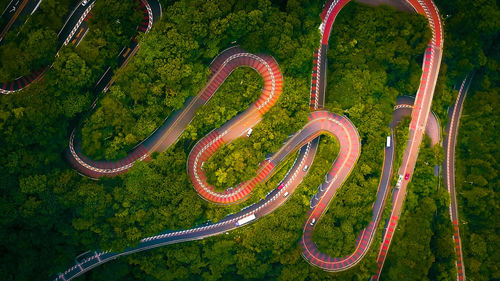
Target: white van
{"points": [[388, 144], [249, 132]]}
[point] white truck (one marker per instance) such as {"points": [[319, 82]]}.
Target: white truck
{"points": [[245, 220]]}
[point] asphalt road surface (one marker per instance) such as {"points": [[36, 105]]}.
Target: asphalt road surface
{"points": [[16, 10], [449, 168]]}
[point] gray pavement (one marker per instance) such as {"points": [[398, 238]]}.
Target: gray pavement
{"points": [[449, 168]]}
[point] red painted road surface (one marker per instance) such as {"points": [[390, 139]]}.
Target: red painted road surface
{"points": [[420, 114]]}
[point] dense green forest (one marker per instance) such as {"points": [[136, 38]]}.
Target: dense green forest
{"points": [[472, 43], [32, 45], [477, 179], [109, 34], [34, 130], [469, 30], [56, 214]]}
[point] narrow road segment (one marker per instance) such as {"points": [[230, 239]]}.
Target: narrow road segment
{"points": [[449, 169]]}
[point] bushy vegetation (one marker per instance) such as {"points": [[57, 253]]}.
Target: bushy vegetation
{"points": [[34, 128], [470, 28], [477, 179], [471, 43], [32, 45], [112, 24]]}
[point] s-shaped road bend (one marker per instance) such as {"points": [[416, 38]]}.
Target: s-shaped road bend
{"points": [[320, 122]]}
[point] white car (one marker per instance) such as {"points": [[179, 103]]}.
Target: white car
{"points": [[305, 168], [313, 221], [400, 180], [84, 2]]}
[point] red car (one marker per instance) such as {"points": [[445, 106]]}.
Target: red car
{"points": [[281, 186], [407, 176]]}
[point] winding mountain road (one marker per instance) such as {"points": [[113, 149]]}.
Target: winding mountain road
{"points": [[306, 141], [320, 200]]}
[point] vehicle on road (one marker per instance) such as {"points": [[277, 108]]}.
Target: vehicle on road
{"points": [[286, 194], [245, 220], [305, 168], [400, 180], [281, 186], [326, 179], [249, 132], [84, 2], [313, 221], [407, 176], [388, 144]]}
